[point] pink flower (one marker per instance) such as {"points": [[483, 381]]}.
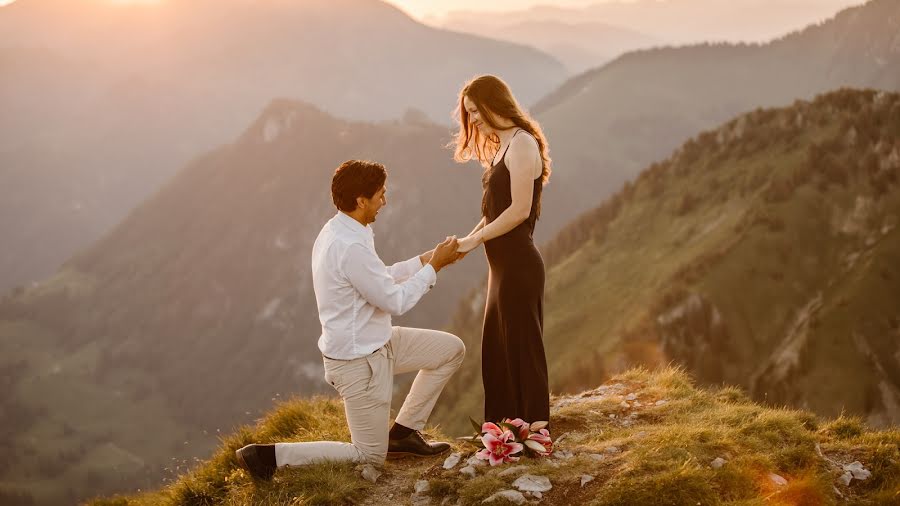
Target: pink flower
{"points": [[521, 425], [540, 442], [523, 428], [491, 428], [498, 450]]}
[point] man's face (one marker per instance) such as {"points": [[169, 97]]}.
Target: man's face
{"points": [[374, 204]]}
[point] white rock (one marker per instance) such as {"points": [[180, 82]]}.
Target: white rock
{"points": [[846, 478], [563, 454], [513, 496], [612, 449], [532, 483], [370, 473], [857, 470], [661, 402], [451, 461], [630, 397], [468, 471], [612, 415], [422, 486], [476, 462], [596, 456], [585, 479], [717, 463], [778, 480], [512, 470], [419, 500], [537, 495], [624, 405]]}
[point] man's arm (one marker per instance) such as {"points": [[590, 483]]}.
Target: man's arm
{"points": [[401, 271], [368, 274]]}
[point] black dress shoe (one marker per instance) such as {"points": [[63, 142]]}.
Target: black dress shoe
{"points": [[258, 460], [414, 445]]}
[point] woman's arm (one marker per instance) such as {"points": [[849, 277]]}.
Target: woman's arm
{"points": [[521, 160], [479, 226], [426, 257]]}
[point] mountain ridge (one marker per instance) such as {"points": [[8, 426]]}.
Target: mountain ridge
{"points": [[709, 259]]}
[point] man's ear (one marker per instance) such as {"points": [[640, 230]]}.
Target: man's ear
{"points": [[361, 202]]}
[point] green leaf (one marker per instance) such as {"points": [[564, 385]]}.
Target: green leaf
{"points": [[476, 425]]}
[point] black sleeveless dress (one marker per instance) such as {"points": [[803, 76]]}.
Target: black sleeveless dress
{"points": [[513, 365]]}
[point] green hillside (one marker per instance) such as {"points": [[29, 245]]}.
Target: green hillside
{"points": [[606, 125], [660, 448], [198, 309], [761, 254]]}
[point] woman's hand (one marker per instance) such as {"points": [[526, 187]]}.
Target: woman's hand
{"points": [[469, 242]]}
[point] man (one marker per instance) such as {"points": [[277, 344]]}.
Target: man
{"points": [[356, 295]]}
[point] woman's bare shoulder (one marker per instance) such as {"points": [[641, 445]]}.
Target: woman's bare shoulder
{"points": [[523, 143]]}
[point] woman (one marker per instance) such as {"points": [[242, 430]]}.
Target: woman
{"points": [[510, 145]]}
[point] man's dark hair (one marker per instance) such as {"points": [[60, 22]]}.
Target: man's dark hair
{"points": [[356, 178]]}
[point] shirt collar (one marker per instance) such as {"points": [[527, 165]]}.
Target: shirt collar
{"points": [[353, 225]]}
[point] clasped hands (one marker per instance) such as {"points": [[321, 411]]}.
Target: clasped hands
{"points": [[450, 251]]}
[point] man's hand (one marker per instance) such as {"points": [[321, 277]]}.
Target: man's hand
{"points": [[444, 253], [426, 257]]}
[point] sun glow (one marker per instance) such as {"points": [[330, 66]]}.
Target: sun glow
{"points": [[114, 2]]}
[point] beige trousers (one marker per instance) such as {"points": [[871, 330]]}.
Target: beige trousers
{"points": [[365, 384]]}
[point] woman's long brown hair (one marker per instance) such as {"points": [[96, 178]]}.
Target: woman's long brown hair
{"points": [[493, 99]]}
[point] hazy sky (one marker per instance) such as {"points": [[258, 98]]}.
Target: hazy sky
{"points": [[422, 8]]}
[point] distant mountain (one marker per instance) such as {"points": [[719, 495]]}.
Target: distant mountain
{"points": [[760, 254], [578, 45], [101, 103], [606, 125], [197, 310], [677, 21]]}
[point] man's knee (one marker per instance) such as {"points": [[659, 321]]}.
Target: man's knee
{"points": [[458, 351]]}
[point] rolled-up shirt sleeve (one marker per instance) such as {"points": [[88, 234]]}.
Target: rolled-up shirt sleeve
{"points": [[375, 282], [401, 271]]}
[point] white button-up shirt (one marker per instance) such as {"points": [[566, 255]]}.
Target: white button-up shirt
{"points": [[356, 293]]}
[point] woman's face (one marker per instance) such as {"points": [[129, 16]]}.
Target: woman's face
{"points": [[475, 118]]}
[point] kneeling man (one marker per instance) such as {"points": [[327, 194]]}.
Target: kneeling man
{"points": [[356, 294]]}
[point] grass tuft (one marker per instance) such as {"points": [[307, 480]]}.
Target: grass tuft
{"points": [[647, 454]]}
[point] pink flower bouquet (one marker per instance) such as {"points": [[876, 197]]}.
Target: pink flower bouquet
{"points": [[510, 437]]}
